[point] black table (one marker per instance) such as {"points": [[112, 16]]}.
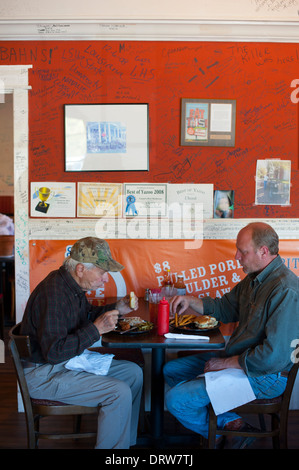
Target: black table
{"points": [[158, 345]]}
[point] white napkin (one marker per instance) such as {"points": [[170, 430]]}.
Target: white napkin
{"points": [[182, 336], [91, 361], [227, 389]]}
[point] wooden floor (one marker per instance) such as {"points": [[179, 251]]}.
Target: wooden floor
{"points": [[13, 425]]}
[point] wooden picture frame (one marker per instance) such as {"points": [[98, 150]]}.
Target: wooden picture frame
{"points": [[208, 122]]}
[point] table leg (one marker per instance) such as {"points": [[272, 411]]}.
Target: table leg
{"points": [[157, 392]]}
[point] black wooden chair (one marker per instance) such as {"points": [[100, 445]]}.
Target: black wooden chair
{"points": [[35, 409], [19, 346], [277, 408]]}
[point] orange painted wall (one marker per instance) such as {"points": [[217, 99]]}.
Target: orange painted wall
{"points": [[257, 76]]}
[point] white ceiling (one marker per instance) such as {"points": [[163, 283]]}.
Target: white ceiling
{"points": [[206, 20], [250, 10]]}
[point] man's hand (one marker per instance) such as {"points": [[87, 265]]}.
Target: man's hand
{"points": [[218, 363], [179, 304], [107, 322], [123, 305]]}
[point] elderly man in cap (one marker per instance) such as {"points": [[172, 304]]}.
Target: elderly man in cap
{"points": [[61, 324]]}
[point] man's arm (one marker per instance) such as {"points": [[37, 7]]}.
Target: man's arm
{"points": [[107, 321], [217, 363]]}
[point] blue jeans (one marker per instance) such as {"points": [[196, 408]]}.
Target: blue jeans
{"points": [[188, 400]]}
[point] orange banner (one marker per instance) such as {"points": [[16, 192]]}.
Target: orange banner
{"points": [[208, 270]]}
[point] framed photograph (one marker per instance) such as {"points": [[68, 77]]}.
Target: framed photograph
{"points": [[224, 204], [273, 182], [106, 137], [208, 122]]}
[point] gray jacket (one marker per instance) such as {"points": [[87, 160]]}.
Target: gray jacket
{"points": [[267, 309]]}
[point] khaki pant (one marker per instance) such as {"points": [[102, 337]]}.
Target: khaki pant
{"points": [[118, 395]]}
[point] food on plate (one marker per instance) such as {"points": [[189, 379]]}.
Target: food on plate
{"points": [[132, 300], [146, 325], [182, 320], [124, 325], [193, 321], [137, 323], [205, 321], [134, 320]]}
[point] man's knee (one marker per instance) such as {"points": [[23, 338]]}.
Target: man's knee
{"points": [[133, 377], [135, 373], [124, 392], [172, 400], [169, 370]]}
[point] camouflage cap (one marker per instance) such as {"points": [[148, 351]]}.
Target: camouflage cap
{"points": [[96, 251]]}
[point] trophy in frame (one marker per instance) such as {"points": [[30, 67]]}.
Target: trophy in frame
{"points": [[43, 194]]}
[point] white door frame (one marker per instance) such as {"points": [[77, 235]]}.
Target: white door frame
{"points": [[14, 80]]}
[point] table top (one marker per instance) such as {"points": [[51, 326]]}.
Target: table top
{"points": [[151, 339]]}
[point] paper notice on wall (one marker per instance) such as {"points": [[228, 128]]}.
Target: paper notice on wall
{"points": [[99, 200], [145, 200], [221, 117], [190, 200], [50, 199]]}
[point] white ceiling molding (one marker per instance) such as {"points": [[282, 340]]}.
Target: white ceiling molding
{"points": [[150, 30]]}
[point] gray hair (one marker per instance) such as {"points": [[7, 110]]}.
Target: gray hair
{"points": [[264, 235], [70, 264]]}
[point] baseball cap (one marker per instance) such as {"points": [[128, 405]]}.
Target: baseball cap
{"points": [[96, 251]]}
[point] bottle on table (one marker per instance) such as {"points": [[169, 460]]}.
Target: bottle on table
{"points": [[167, 283], [180, 285], [163, 317]]}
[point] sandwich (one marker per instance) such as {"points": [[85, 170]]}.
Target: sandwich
{"points": [[205, 321], [132, 300]]}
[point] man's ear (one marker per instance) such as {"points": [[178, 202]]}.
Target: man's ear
{"points": [[264, 250], [79, 270]]}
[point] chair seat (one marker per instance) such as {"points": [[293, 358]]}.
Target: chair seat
{"points": [[133, 355], [265, 401], [44, 402]]}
